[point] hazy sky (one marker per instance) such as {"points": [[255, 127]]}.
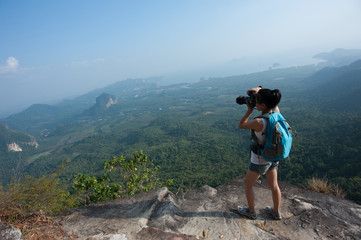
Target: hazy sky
{"points": [[55, 49]]}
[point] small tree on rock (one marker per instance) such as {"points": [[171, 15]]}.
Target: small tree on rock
{"points": [[123, 177]]}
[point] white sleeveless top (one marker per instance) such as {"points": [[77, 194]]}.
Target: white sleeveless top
{"points": [[257, 159]]}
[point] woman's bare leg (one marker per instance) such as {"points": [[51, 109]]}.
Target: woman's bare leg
{"points": [[249, 180], [271, 176]]}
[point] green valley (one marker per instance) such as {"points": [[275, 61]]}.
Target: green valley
{"points": [[191, 130]]}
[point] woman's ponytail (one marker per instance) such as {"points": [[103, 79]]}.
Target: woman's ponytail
{"points": [[277, 94], [270, 97]]}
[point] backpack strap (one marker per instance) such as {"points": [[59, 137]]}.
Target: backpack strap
{"points": [[256, 146], [254, 137]]}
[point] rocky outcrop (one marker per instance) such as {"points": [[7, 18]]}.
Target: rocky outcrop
{"points": [[210, 213], [111, 102], [9, 233], [103, 103], [14, 147]]}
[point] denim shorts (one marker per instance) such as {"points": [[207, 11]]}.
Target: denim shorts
{"points": [[263, 168]]}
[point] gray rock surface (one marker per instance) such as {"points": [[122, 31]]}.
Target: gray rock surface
{"points": [[9, 233], [211, 212]]}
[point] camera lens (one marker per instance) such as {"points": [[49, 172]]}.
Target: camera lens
{"points": [[241, 100]]}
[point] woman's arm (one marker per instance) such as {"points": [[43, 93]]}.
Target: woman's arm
{"points": [[244, 120], [255, 124]]}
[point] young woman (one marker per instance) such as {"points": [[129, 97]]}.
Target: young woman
{"points": [[266, 102]]}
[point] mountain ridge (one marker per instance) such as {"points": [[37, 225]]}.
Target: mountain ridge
{"points": [[339, 56]]}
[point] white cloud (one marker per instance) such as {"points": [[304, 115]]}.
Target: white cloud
{"points": [[85, 63], [79, 64], [99, 60], [12, 65]]}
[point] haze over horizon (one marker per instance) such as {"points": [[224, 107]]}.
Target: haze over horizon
{"points": [[51, 50]]}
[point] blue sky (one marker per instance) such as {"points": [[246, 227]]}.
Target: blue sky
{"points": [[50, 50]]}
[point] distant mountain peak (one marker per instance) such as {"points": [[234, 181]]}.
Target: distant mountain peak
{"points": [[103, 103], [340, 57], [106, 100]]}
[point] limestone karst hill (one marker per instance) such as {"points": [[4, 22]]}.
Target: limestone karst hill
{"points": [[209, 213]]}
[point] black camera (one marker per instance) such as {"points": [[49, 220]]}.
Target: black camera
{"points": [[251, 98]]}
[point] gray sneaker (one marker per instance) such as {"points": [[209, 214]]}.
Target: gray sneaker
{"points": [[275, 215], [244, 211]]}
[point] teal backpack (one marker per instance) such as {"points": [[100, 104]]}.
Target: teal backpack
{"points": [[278, 138]]}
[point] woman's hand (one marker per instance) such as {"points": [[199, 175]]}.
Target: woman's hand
{"points": [[250, 109], [256, 89], [243, 123]]}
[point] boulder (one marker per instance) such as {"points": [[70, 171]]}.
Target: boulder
{"points": [[9, 233]]}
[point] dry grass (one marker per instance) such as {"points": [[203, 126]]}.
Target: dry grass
{"points": [[323, 186], [338, 191], [34, 195], [318, 185], [39, 226], [261, 225], [28, 204]]}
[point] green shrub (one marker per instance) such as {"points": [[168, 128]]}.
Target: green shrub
{"points": [[123, 177], [94, 189]]}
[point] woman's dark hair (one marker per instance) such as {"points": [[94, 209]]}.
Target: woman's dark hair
{"points": [[269, 97]]}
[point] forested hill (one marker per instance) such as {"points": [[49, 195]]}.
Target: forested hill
{"points": [[15, 147], [190, 130], [8, 136], [342, 90]]}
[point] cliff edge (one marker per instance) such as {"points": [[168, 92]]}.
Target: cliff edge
{"points": [[210, 213]]}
